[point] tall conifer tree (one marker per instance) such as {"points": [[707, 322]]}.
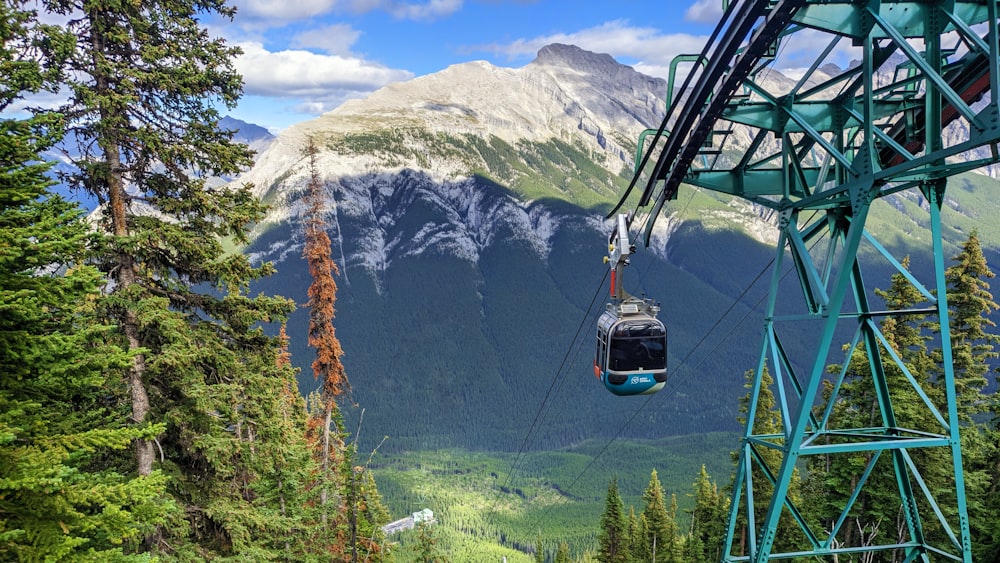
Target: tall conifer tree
{"points": [[326, 365], [562, 553], [767, 422], [613, 538], [144, 83], [970, 304], [350, 505], [708, 520], [62, 497], [539, 550], [661, 541], [636, 533]]}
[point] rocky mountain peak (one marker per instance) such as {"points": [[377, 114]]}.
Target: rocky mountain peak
{"points": [[568, 94], [573, 57]]}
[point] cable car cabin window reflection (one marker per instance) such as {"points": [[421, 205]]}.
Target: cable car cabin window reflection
{"points": [[638, 346], [602, 350]]}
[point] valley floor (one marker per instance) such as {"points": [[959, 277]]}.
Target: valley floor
{"points": [[491, 505]]}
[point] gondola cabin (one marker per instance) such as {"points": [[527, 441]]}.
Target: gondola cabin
{"points": [[631, 356]]}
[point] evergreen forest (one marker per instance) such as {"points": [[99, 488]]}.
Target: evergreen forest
{"points": [[150, 407], [145, 413]]}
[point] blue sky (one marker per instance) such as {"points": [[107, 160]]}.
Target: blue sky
{"points": [[306, 57]]}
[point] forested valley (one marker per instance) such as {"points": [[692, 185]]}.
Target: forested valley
{"points": [[149, 407]]}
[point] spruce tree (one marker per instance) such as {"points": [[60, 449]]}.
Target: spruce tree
{"points": [[612, 538], [708, 520], [143, 84], [335, 474], [63, 497], [427, 549], [985, 510], [970, 303], [661, 541], [636, 533], [562, 553], [351, 509], [974, 342]]}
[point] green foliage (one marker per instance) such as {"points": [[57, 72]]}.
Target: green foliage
{"points": [[552, 169], [562, 553], [427, 550], [61, 435], [876, 513], [207, 396], [62, 493], [660, 542], [766, 422], [613, 539], [970, 303], [708, 520]]}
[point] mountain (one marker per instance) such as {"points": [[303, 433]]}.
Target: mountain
{"points": [[467, 218], [257, 137]]}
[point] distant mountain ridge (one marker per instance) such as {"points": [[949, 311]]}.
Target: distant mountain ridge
{"points": [[467, 218], [256, 137]]}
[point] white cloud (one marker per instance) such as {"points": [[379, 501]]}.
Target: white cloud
{"points": [[275, 14], [268, 13], [312, 77], [428, 11], [651, 48], [336, 39], [704, 11]]}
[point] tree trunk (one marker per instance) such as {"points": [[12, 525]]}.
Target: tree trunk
{"points": [[124, 274], [325, 493]]}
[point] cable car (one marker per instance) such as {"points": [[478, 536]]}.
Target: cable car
{"points": [[631, 357]]}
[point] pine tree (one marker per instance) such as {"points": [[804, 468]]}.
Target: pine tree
{"points": [[970, 304], [62, 494], [539, 551], [351, 507], [636, 535], [63, 497], [370, 515], [661, 541], [694, 547], [144, 85], [327, 367], [984, 511], [612, 538], [708, 520], [562, 553], [877, 515], [427, 550], [335, 467], [674, 540]]}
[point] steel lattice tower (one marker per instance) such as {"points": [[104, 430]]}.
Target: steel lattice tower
{"points": [[820, 153]]}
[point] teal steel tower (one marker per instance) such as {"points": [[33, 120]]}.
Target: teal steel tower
{"points": [[919, 104]]}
